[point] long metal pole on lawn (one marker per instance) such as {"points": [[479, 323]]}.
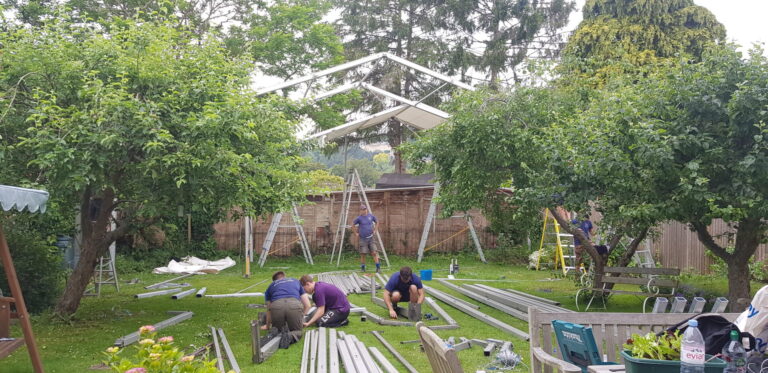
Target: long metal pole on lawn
{"points": [[153, 286], [394, 352], [217, 348]]}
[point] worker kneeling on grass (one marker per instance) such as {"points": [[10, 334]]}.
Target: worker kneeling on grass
{"points": [[332, 305], [404, 286], [287, 303]]}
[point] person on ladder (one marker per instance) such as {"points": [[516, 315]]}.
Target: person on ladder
{"points": [[588, 229], [365, 228]]}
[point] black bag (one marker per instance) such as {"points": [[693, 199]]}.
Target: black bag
{"points": [[715, 329]]}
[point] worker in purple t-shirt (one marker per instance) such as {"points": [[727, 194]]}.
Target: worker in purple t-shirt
{"points": [[365, 227], [332, 305]]}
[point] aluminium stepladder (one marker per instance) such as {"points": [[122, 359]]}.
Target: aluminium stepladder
{"points": [[105, 274], [106, 271], [353, 184], [429, 223], [275, 225]]}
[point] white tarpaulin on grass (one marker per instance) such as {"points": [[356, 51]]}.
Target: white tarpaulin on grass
{"points": [[191, 264]]}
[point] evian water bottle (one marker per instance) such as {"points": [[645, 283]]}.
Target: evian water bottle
{"points": [[692, 349]]}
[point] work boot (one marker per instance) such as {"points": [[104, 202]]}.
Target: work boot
{"points": [[414, 311]]}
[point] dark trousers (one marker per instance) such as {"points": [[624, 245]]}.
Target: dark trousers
{"points": [[333, 318]]}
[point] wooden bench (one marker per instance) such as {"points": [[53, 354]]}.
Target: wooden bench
{"points": [[611, 331], [442, 359], [651, 278]]}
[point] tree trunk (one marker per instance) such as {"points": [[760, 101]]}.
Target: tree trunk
{"points": [[627, 257], [749, 233], [94, 245], [597, 260], [738, 284], [395, 136]]}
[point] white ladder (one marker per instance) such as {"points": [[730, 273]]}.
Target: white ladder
{"points": [[644, 258], [431, 217], [104, 274], [353, 183], [275, 225]]}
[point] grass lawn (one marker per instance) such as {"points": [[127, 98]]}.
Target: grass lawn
{"points": [[75, 346]]}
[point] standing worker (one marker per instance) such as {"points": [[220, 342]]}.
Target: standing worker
{"points": [[365, 227], [332, 305], [404, 286], [287, 302]]}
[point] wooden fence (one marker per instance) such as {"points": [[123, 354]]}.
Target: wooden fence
{"points": [[677, 246], [400, 212]]}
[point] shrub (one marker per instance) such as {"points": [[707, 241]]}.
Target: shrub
{"points": [[38, 267], [156, 355]]}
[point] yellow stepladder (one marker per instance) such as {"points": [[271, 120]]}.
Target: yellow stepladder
{"points": [[549, 221]]}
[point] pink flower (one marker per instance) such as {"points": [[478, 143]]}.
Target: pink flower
{"points": [[146, 341], [188, 358], [136, 370], [167, 339], [146, 329]]}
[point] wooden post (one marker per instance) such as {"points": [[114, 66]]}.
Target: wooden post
{"points": [[13, 284], [189, 228]]}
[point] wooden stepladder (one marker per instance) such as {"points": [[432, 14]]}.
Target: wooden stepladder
{"points": [[353, 184], [551, 236], [272, 231], [20, 199], [428, 224]]}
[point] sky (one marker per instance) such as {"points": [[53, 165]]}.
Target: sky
{"points": [[744, 20]]}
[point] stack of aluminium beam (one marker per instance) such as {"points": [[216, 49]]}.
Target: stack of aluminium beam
{"points": [[326, 351], [517, 300], [349, 283]]}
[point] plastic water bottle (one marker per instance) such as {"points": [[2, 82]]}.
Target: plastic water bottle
{"points": [[692, 349], [734, 355]]}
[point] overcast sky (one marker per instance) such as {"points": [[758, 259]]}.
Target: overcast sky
{"points": [[745, 20]]}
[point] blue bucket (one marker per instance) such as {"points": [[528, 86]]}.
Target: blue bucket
{"points": [[426, 274]]}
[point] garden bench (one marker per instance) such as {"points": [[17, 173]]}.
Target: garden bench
{"points": [[442, 359], [648, 277], [611, 330]]}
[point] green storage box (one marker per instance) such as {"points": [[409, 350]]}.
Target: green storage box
{"points": [[635, 365]]}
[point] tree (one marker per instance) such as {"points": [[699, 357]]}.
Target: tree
{"points": [[704, 149], [442, 36], [506, 33], [368, 170], [288, 38], [615, 37], [507, 140], [139, 119]]}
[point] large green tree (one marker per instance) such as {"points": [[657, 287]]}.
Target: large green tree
{"points": [[495, 37], [138, 119], [698, 138], [455, 37], [617, 36]]}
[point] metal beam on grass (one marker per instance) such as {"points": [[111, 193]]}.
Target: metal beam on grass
{"points": [[394, 352], [178, 317]]}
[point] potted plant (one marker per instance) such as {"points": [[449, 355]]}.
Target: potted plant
{"points": [[660, 354]]}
